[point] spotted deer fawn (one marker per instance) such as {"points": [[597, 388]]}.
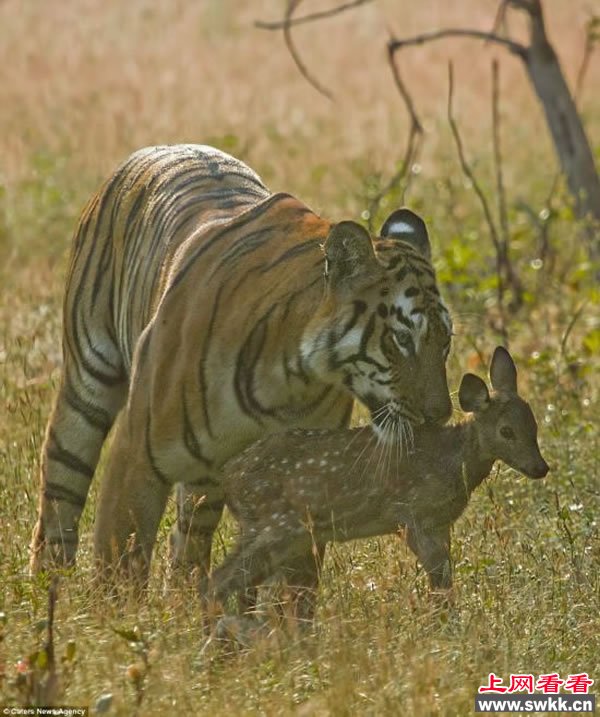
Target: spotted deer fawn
{"points": [[295, 492]]}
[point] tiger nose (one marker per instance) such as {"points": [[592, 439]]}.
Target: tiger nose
{"points": [[438, 410]]}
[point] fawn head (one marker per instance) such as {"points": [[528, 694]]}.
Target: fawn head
{"points": [[506, 426]]}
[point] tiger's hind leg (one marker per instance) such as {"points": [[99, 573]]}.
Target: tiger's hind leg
{"points": [[132, 500], [199, 510], [84, 411]]}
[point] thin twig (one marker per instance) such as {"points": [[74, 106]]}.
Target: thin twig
{"points": [[514, 47], [410, 105], [312, 17], [591, 38], [468, 172], [500, 18], [505, 262], [570, 327], [502, 213], [413, 144], [465, 165], [287, 36], [532, 7]]}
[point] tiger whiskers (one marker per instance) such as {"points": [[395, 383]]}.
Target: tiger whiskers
{"points": [[387, 441], [384, 447], [394, 433], [372, 443], [390, 439]]}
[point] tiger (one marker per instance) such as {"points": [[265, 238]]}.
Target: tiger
{"points": [[203, 312]]}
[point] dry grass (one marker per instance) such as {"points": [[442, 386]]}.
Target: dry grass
{"points": [[82, 83]]}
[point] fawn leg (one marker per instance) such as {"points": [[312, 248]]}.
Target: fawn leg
{"points": [[432, 548], [247, 600], [256, 559], [302, 577]]}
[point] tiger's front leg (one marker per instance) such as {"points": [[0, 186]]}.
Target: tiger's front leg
{"points": [[132, 500]]}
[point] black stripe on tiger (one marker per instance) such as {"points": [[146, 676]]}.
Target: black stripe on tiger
{"points": [[245, 218], [96, 416], [57, 452], [189, 437], [162, 478], [297, 296], [246, 244], [65, 538], [358, 309], [62, 494], [245, 366], [203, 368]]}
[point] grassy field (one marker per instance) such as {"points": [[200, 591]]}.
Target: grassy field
{"points": [[82, 84]]}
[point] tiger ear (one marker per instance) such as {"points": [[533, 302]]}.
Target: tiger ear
{"points": [[349, 254], [404, 225]]}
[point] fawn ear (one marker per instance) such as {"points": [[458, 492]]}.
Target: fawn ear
{"points": [[503, 372], [349, 254], [407, 226], [473, 394]]}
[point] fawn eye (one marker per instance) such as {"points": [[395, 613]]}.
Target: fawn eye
{"points": [[508, 433]]}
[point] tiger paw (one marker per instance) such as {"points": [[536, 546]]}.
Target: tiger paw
{"points": [[50, 554]]}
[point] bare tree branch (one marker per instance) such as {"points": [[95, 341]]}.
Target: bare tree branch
{"points": [[313, 17], [505, 260], [499, 19], [570, 327], [545, 73], [287, 36], [413, 144], [410, 106], [466, 168], [592, 36], [514, 47], [502, 212], [501, 192], [468, 172], [532, 7]]}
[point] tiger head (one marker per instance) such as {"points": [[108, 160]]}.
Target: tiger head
{"points": [[382, 330]]}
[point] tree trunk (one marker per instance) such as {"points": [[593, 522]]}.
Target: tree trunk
{"points": [[570, 140]]}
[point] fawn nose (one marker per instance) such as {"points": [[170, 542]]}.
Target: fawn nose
{"points": [[539, 469]]}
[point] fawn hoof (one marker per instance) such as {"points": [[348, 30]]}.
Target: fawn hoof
{"points": [[240, 631], [443, 603]]}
